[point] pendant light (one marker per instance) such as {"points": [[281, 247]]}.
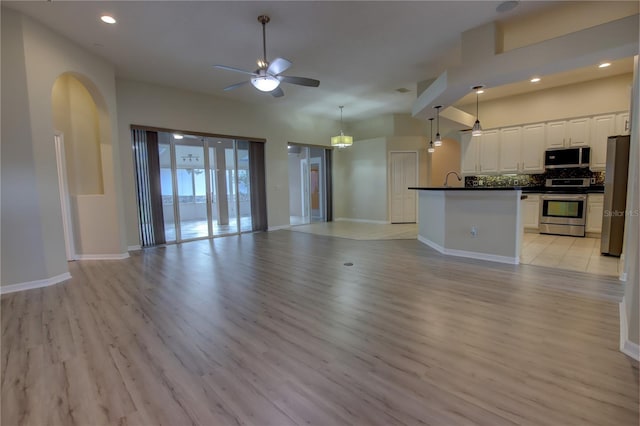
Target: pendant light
{"points": [[342, 140], [477, 128], [431, 149], [438, 141]]}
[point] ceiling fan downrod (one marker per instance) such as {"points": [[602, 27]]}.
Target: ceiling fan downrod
{"points": [[264, 19]]}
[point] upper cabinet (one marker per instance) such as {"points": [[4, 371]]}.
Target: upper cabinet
{"points": [[556, 134], [603, 127], [567, 134], [522, 149], [468, 153], [579, 132], [489, 152], [479, 154], [510, 149], [532, 152]]}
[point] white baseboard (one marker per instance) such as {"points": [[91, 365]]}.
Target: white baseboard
{"points": [[117, 256], [277, 228], [134, 248], [469, 254], [627, 347], [11, 288], [348, 219]]}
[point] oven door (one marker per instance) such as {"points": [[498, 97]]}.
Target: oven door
{"points": [[563, 209]]}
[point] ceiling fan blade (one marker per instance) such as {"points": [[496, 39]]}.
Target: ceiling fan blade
{"points": [[277, 92], [235, 86], [224, 67], [301, 81], [278, 66]]}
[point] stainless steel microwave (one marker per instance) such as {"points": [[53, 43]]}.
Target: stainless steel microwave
{"points": [[567, 158]]}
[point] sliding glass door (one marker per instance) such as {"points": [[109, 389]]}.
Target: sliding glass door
{"points": [[309, 184], [205, 186]]}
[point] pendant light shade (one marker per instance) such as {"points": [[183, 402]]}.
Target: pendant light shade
{"points": [[438, 141], [431, 149], [476, 130], [342, 140]]}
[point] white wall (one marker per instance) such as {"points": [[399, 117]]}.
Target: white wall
{"points": [[22, 232], [600, 96], [152, 105], [34, 57], [632, 226], [360, 181]]}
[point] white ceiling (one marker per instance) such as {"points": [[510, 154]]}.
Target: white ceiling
{"points": [[360, 51]]}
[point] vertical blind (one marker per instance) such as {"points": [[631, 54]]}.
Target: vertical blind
{"points": [[147, 170]]}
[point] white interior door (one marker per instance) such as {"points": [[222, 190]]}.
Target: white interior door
{"points": [[403, 171]]}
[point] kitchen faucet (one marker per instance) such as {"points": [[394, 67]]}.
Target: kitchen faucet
{"points": [[446, 179]]}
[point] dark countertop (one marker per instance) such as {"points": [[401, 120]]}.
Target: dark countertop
{"points": [[474, 188], [596, 189]]}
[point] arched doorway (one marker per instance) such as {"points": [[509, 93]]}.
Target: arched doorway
{"points": [[85, 169]]}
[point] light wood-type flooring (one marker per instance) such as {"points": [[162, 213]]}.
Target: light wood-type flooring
{"points": [[273, 329], [551, 251]]}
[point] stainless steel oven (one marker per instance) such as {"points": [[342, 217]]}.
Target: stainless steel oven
{"points": [[563, 214], [563, 209]]}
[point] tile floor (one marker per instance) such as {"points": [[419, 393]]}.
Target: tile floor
{"points": [[576, 254]]}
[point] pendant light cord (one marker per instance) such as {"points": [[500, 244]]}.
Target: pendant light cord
{"points": [[477, 103], [341, 132]]}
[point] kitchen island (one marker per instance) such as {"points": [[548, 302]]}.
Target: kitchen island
{"points": [[480, 222]]}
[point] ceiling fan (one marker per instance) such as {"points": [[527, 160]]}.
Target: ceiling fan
{"points": [[268, 76]]}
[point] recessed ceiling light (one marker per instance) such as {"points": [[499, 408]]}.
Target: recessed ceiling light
{"points": [[535, 79], [108, 19], [177, 136], [604, 65]]}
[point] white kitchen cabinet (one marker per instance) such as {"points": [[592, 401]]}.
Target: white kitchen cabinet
{"points": [[522, 149], [603, 127], [595, 212], [510, 149], [622, 124], [579, 132], [489, 146], [568, 134], [556, 134], [530, 211], [468, 153], [532, 148]]}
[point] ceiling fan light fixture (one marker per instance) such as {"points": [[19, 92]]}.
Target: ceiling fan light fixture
{"points": [[266, 83]]}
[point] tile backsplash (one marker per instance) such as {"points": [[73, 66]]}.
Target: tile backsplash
{"points": [[531, 180]]}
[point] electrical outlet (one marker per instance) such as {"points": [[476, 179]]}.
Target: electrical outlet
{"points": [[515, 182], [474, 231], [593, 181], [480, 183], [475, 183]]}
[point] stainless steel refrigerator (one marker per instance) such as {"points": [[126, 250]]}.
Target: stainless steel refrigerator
{"points": [[615, 195]]}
